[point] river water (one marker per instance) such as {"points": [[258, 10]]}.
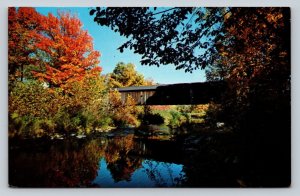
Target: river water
{"points": [[124, 160]]}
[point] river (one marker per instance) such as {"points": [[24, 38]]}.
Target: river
{"points": [[120, 160]]}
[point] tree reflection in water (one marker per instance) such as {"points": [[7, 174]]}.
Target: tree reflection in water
{"points": [[60, 164], [125, 164], [124, 161], [119, 163]]}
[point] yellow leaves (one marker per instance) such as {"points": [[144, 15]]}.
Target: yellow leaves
{"points": [[123, 108], [126, 75], [67, 66], [273, 18], [241, 22], [63, 58], [227, 15], [224, 53], [74, 52]]}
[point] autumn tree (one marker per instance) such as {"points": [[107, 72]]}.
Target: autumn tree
{"points": [[257, 60], [24, 27], [257, 44], [56, 50], [65, 51], [54, 77]]}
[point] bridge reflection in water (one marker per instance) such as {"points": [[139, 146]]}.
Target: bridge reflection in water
{"points": [[175, 94]]}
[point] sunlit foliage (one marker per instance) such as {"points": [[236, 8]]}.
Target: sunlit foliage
{"points": [[124, 109], [124, 112], [24, 26], [65, 51], [126, 75], [54, 77]]}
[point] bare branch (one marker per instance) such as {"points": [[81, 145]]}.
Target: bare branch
{"points": [[163, 11]]}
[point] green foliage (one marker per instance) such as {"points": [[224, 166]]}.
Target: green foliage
{"points": [[176, 119], [27, 126], [104, 121], [176, 116], [125, 75], [36, 110], [171, 117]]}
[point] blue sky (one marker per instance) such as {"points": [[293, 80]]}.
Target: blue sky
{"points": [[107, 42]]}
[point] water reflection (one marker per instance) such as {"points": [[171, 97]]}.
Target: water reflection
{"points": [[61, 164], [150, 174], [121, 161]]}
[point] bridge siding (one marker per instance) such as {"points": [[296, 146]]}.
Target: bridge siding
{"points": [[175, 94], [140, 97]]}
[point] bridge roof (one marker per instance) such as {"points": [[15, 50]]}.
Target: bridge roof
{"points": [[137, 88]]}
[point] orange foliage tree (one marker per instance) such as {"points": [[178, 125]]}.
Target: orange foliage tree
{"points": [[255, 61], [24, 26], [66, 51], [54, 77], [56, 50]]}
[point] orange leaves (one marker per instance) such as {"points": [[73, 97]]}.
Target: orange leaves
{"points": [[57, 50], [274, 17], [67, 49], [123, 108], [23, 28], [227, 15], [160, 107], [257, 51]]}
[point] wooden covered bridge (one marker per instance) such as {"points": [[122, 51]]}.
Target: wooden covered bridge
{"points": [[175, 94]]}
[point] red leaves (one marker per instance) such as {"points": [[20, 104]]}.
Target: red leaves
{"points": [[23, 27], [60, 50], [70, 50]]}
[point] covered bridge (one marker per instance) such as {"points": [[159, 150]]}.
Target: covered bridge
{"points": [[175, 94]]}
